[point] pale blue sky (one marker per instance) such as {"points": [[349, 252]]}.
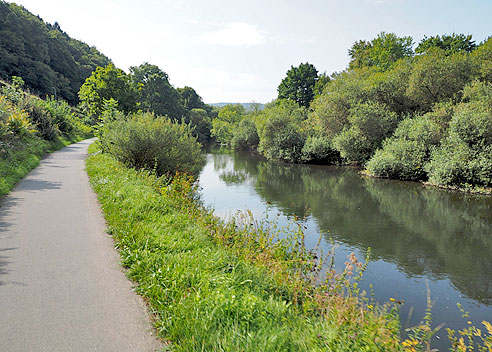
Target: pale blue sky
{"points": [[239, 51]]}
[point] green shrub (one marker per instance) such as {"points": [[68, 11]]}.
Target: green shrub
{"points": [[404, 155], [40, 117], [245, 136], [61, 114], [13, 120], [465, 157], [222, 131], [319, 149], [369, 124], [144, 141], [281, 140]]}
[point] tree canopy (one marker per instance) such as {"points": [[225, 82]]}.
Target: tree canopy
{"points": [[104, 84], [299, 84], [156, 94], [382, 52], [451, 43]]}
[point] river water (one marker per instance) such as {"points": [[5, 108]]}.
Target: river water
{"points": [[417, 234]]}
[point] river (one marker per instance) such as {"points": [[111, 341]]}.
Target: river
{"points": [[417, 234]]}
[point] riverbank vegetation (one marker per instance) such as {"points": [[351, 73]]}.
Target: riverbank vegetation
{"points": [[230, 286], [421, 115], [31, 127]]}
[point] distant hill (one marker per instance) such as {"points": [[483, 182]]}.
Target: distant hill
{"points": [[46, 58], [247, 106]]}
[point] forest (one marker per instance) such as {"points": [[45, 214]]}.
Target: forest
{"points": [[47, 59]]}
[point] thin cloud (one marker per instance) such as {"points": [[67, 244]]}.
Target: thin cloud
{"points": [[234, 34]]}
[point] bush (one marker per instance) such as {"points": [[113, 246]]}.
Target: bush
{"points": [[281, 140], [144, 141], [319, 149], [40, 117], [465, 157], [369, 124], [13, 120], [61, 114], [245, 137], [404, 155]]}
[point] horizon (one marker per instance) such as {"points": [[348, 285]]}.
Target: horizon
{"points": [[241, 52]]}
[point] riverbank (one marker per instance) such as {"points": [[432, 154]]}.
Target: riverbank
{"points": [[220, 286]]}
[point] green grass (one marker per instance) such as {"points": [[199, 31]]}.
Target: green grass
{"points": [[19, 155], [215, 287]]}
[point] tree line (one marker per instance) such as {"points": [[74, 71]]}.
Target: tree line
{"points": [[423, 114]]}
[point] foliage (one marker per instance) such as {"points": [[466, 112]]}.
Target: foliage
{"points": [[13, 120], [319, 149], [61, 114], [299, 84], [450, 43], [482, 58], [222, 131], [155, 92], [231, 113], [144, 141], [280, 139], [190, 99], [200, 123], [382, 52], [224, 125], [405, 154], [280, 128], [245, 136], [437, 76], [40, 117], [368, 124], [107, 83], [465, 156], [47, 59], [331, 109]]}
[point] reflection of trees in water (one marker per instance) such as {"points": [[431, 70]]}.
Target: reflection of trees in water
{"points": [[424, 231], [458, 226]]}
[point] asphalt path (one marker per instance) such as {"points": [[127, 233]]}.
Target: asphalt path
{"points": [[61, 285]]}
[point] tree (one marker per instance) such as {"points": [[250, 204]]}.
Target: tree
{"points": [[190, 99], [299, 84], [201, 124], [104, 84], [450, 43], [224, 125], [321, 83], [437, 76], [368, 125], [156, 94], [382, 52]]}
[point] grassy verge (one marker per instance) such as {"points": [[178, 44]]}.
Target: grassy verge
{"points": [[19, 155], [228, 287]]}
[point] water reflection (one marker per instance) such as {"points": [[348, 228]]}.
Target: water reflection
{"points": [[415, 232]]}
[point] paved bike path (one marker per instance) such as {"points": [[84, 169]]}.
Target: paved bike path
{"points": [[61, 287]]}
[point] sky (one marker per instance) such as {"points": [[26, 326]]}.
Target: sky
{"points": [[239, 51]]}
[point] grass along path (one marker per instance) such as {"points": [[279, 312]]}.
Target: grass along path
{"points": [[19, 155], [214, 287]]}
